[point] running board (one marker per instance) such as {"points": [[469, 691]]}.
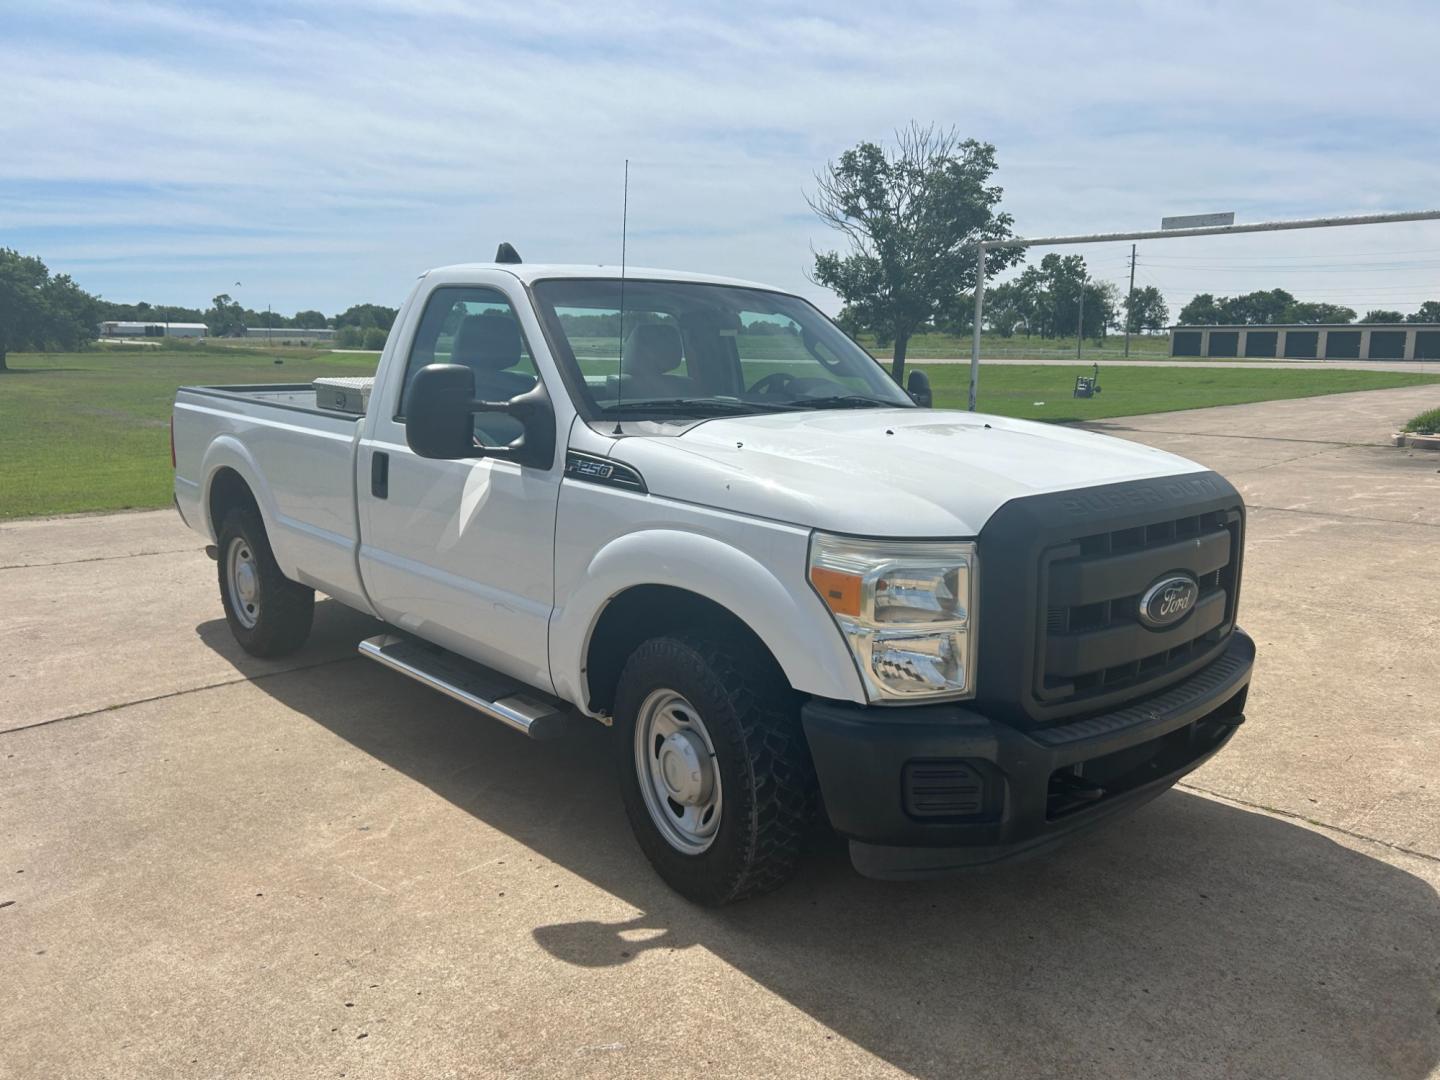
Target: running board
{"points": [[485, 691]]}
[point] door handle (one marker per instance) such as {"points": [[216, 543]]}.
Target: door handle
{"points": [[380, 475]]}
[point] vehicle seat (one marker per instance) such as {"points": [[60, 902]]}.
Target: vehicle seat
{"points": [[489, 345], [652, 351]]}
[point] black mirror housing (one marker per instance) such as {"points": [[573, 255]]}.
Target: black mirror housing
{"points": [[918, 387], [438, 420], [437, 415]]}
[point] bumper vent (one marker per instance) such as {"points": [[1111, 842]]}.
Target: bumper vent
{"points": [[947, 789]]}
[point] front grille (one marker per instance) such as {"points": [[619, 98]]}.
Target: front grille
{"points": [[1094, 642]]}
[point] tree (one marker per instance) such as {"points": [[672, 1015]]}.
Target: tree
{"points": [[1013, 306], [41, 311], [909, 215], [1381, 315], [226, 317], [1260, 308], [374, 338], [1429, 311], [367, 315], [1202, 310], [1314, 312], [308, 320], [1148, 310], [1047, 298]]}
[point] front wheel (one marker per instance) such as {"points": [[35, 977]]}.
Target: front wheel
{"points": [[717, 779]]}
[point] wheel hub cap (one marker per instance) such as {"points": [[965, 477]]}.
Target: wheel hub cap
{"points": [[242, 579], [685, 768], [245, 581], [675, 764]]}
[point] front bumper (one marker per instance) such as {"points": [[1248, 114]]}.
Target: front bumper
{"points": [[923, 790]]}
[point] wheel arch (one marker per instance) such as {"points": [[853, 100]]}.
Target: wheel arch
{"points": [[642, 612], [651, 582], [232, 478]]}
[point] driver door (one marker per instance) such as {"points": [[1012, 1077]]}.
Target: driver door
{"points": [[461, 552]]}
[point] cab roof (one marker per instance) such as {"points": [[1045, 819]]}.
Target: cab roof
{"points": [[529, 272]]}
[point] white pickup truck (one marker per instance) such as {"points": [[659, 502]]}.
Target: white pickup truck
{"points": [[691, 509]]}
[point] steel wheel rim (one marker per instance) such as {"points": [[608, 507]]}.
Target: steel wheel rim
{"points": [[242, 580], [679, 776]]}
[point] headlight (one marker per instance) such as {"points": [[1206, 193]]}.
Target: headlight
{"points": [[907, 610]]}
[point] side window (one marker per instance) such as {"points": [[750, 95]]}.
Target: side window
{"points": [[476, 327]]}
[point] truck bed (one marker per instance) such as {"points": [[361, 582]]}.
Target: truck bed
{"points": [[298, 396], [297, 458]]}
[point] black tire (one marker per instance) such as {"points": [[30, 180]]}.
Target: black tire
{"points": [[770, 795], [279, 621]]}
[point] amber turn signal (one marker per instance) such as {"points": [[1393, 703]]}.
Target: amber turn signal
{"points": [[841, 592]]}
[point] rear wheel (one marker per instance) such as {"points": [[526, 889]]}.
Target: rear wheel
{"points": [[716, 776], [269, 614]]}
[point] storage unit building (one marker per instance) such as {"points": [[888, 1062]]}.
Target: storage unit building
{"points": [[1312, 341]]}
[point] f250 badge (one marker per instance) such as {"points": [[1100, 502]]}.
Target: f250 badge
{"points": [[1168, 601]]}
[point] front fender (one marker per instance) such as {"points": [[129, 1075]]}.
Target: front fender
{"points": [[786, 615]]}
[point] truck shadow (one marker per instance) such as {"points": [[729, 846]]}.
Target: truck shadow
{"points": [[1193, 937]]}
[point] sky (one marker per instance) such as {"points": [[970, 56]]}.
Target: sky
{"points": [[326, 152]]}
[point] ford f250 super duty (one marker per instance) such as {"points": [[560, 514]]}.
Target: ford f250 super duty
{"points": [[692, 510]]}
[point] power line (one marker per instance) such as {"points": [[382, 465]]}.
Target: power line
{"points": [[1322, 255], [1332, 268]]}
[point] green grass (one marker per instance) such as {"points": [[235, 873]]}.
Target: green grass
{"points": [[89, 431], [1427, 423], [1044, 393]]}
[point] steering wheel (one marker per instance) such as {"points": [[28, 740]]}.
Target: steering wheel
{"points": [[772, 384]]}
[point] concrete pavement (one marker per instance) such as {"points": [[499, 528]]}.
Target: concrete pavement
{"points": [[216, 866]]}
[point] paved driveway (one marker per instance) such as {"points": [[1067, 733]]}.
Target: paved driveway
{"points": [[216, 866]]}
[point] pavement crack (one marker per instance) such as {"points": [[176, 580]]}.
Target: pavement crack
{"points": [[97, 558], [1197, 789], [1343, 517], [176, 693], [1106, 429]]}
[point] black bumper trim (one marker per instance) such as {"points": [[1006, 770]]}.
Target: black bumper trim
{"points": [[860, 753]]}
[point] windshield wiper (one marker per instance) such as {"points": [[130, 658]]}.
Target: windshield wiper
{"points": [[842, 401], [679, 406]]}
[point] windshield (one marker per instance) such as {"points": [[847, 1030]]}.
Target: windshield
{"points": [[691, 349]]}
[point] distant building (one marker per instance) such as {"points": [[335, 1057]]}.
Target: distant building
{"points": [[292, 334], [1313, 341], [122, 329]]}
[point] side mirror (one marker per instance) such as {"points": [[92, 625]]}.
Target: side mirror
{"points": [[918, 387], [438, 420], [437, 415]]}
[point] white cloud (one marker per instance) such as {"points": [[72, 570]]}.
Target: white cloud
{"points": [[333, 150]]}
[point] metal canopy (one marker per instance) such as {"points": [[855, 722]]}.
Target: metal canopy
{"points": [[1158, 234]]}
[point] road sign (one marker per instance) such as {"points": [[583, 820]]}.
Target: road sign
{"points": [[1197, 221]]}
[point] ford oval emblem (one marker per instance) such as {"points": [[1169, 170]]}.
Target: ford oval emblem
{"points": [[1168, 601]]}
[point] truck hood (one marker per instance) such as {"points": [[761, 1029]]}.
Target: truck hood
{"points": [[883, 472]]}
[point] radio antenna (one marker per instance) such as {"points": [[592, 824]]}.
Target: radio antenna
{"points": [[624, 233]]}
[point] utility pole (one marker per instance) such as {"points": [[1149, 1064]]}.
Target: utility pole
{"points": [[1130, 302], [1080, 320]]}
